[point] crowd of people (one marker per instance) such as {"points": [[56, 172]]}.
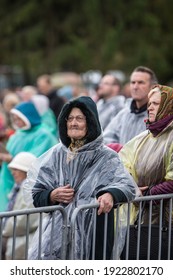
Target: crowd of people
{"points": [[70, 148]]}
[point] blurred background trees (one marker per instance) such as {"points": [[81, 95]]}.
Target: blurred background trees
{"points": [[62, 35]]}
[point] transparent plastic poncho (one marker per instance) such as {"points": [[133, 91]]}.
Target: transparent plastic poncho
{"points": [[93, 168], [149, 159]]}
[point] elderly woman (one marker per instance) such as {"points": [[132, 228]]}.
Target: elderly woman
{"points": [[149, 156], [76, 172]]}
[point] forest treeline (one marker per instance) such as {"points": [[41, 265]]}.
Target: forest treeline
{"points": [[62, 35]]}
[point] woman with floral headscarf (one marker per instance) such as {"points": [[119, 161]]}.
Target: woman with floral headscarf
{"points": [[149, 156]]}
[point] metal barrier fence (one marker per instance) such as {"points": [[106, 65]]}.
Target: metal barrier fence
{"points": [[154, 241], [122, 230], [41, 212]]}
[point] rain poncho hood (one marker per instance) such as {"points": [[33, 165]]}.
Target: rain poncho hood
{"points": [[89, 109], [93, 168], [28, 113]]}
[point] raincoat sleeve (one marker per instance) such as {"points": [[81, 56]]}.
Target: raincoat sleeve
{"points": [[41, 179], [128, 155], [166, 186], [117, 195], [123, 187], [41, 199]]}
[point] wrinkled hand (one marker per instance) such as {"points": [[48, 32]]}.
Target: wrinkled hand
{"points": [[62, 194], [106, 203]]}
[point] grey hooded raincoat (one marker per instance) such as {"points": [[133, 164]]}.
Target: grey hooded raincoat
{"points": [[92, 170]]}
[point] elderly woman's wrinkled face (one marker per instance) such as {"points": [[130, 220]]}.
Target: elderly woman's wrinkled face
{"points": [[153, 105], [76, 124]]}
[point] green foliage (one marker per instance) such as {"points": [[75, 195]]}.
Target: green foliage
{"points": [[61, 35]]}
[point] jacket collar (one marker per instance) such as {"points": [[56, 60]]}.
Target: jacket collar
{"points": [[136, 110]]}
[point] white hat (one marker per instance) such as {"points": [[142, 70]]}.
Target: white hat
{"points": [[22, 161]]}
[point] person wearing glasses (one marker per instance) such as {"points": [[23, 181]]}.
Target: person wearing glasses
{"points": [[77, 171]]}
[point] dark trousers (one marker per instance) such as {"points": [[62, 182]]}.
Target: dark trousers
{"points": [[100, 236]]}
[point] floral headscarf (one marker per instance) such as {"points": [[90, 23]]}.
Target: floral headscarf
{"points": [[166, 104], [165, 112]]}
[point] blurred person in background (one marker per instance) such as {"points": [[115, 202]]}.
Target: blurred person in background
{"points": [[30, 136], [45, 87], [3, 125], [129, 122], [110, 101], [27, 92], [19, 167], [10, 100], [126, 92], [69, 92], [66, 92], [41, 103]]}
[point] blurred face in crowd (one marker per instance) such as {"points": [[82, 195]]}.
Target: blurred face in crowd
{"points": [[27, 93], [18, 175], [9, 101], [17, 122], [76, 124], [107, 87], [140, 84], [43, 86], [153, 104]]}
